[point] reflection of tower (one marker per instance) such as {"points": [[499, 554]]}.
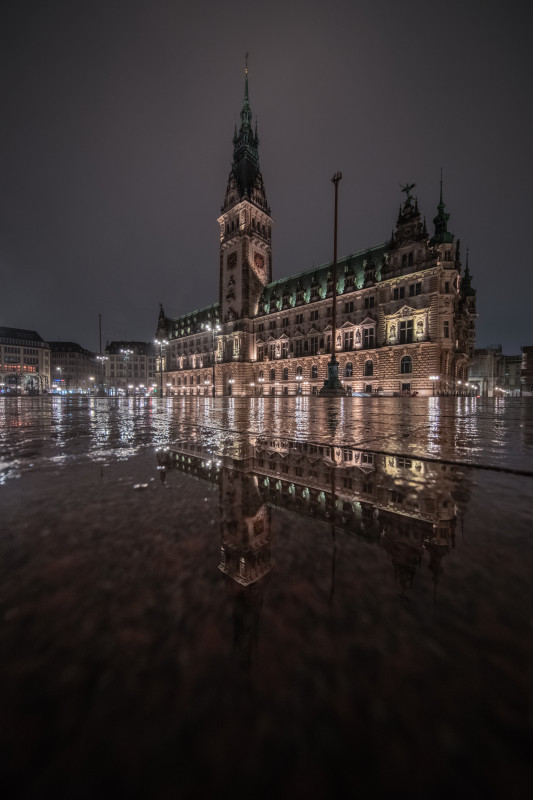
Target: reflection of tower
{"points": [[244, 555], [245, 528]]}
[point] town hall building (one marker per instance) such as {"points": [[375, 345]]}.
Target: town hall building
{"points": [[405, 313]]}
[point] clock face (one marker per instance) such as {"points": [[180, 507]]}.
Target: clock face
{"points": [[232, 260], [259, 262]]}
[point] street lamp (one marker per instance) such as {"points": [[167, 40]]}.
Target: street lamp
{"points": [[161, 342], [434, 378], [332, 384], [214, 329], [126, 353], [102, 360]]}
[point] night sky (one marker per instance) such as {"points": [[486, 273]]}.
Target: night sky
{"points": [[116, 145]]}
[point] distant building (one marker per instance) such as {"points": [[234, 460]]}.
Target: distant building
{"points": [[494, 373], [526, 370], [130, 368], [73, 369], [405, 310], [24, 361]]}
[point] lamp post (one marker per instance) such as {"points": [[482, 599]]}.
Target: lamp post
{"points": [[126, 354], [332, 385], [102, 360], [161, 342], [214, 329], [434, 379]]}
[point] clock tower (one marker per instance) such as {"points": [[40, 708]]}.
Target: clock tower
{"points": [[245, 234]]}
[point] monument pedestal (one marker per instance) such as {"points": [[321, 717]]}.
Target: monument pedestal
{"points": [[332, 385]]}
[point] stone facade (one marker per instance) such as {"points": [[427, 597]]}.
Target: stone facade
{"points": [[406, 309]]}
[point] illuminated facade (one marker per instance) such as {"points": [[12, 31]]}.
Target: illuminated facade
{"points": [[24, 361], [405, 308]]}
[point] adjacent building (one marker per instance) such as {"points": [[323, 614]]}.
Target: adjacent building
{"points": [[131, 368], [73, 369], [526, 370], [494, 374], [405, 307], [24, 361]]}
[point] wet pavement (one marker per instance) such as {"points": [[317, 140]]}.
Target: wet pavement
{"points": [[284, 597]]}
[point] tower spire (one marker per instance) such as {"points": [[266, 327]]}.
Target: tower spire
{"points": [[245, 176], [442, 235]]}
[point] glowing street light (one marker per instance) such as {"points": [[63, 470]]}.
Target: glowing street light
{"points": [[434, 378]]}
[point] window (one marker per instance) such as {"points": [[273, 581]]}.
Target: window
{"points": [[261, 327], [410, 259], [285, 348], [368, 337], [298, 347], [285, 373], [447, 287], [406, 366], [369, 368], [299, 318], [314, 371], [260, 355], [272, 325], [272, 351], [313, 342], [285, 322], [272, 374], [446, 332], [298, 372], [348, 307], [348, 370], [314, 314], [348, 340], [404, 260], [406, 331], [399, 293], [369, 302], [414, 288]]}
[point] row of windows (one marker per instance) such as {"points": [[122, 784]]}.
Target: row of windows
{"points": [[406, 368]]}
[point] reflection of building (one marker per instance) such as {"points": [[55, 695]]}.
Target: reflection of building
{"points": [[130, 367], [24, 361], [405, 308], [404, 504], [73, 368]]}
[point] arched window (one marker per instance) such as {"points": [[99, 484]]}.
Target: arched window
{"points": [[198, 380], [285, 373], [272, 374], [261, 374], [191, 381], [406, 365], [369, 368], [314, 371], [348, 370], [298, 372]]}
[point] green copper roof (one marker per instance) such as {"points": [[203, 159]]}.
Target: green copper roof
{"points": [[317, 278]]}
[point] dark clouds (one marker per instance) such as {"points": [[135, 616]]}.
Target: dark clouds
{"points": [[116, 146]]}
